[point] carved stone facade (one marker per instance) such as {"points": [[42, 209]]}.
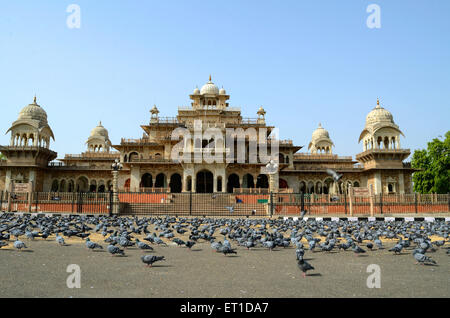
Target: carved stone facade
{"points": [[152, 163]]}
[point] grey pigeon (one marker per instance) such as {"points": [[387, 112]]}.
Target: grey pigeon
{"points": [[304, 266], [150, 259], [19, 245], [92, 245], [143, 246], [422, 259], [396, 249], [115, 250]]}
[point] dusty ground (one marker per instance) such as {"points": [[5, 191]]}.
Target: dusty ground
{"points": [[40, 271]]}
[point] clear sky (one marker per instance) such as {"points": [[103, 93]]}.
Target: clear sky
{"points": [[305, 62]]}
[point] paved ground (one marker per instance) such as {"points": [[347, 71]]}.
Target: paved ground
{"points": [[40, 271]]}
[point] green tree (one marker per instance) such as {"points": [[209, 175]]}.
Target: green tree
{"points": [[2, 157], [434, 165]]}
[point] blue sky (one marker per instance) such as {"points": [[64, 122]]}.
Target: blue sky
{"points": [[305, 62]]}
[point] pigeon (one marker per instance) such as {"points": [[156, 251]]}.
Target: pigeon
{"points": [[19, 245], [397, 248], [115, 250], [439, 243], [302, 215], [269, 244], [299, 253], [92, 245], [230, 209], [216, 246], [422, 259], [178, 241], [60, 240], [189, 244], [369, 246], [334, 174], [150, 259], [143, 246], [357, 249], [304, 266], [227, 250], [378, 243]]}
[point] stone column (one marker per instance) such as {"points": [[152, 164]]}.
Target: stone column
{"points": [[224, 184], [401, 183], [8, 179], [194, 183], [135, 178], [378, 184], [215, 183], [273, 182], [115, 208]]}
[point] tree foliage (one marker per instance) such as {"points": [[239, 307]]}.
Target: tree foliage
{"points": [[434, 165]]}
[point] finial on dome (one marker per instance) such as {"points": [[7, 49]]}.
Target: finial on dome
{"points": [[34, 100], [100, 123], [210, 77], [320, 125], [378, 102]]}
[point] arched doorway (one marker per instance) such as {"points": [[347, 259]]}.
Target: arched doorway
{"points": [[160, 181], [219, 184], [262, 181], [127, 184], [55, 186], [93, 186], [82, 184], [283, 184], [233, 182], [175, 183], [247, 181], [302, 187], [204, 182], [147, 181]]}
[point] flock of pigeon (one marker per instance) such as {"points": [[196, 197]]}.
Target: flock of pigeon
{"points": [[305, 235]]}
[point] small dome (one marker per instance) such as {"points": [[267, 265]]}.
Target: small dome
{"points": [[320, 133], [209, 88], [35, 112], [261, 111], [379, 115], [99, 131], [196, 91], [222, 91], [154, 110]]}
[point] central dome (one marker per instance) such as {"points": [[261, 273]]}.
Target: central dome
{"points": [[35, 112], [209, 88]]}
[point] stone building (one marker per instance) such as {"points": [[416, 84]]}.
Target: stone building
{"points": [[202, 129]]}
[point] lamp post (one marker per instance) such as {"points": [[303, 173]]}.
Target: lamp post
{"points": [[116, 167], [272, 171]]}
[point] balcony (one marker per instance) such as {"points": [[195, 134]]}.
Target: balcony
{"points": [[309, 156]]}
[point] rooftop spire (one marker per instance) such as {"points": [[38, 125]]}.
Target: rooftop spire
{"points": [[378, 102], [34, 100], [210, 77]]}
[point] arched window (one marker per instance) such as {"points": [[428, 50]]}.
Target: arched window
{"points": [[55, 186]]}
